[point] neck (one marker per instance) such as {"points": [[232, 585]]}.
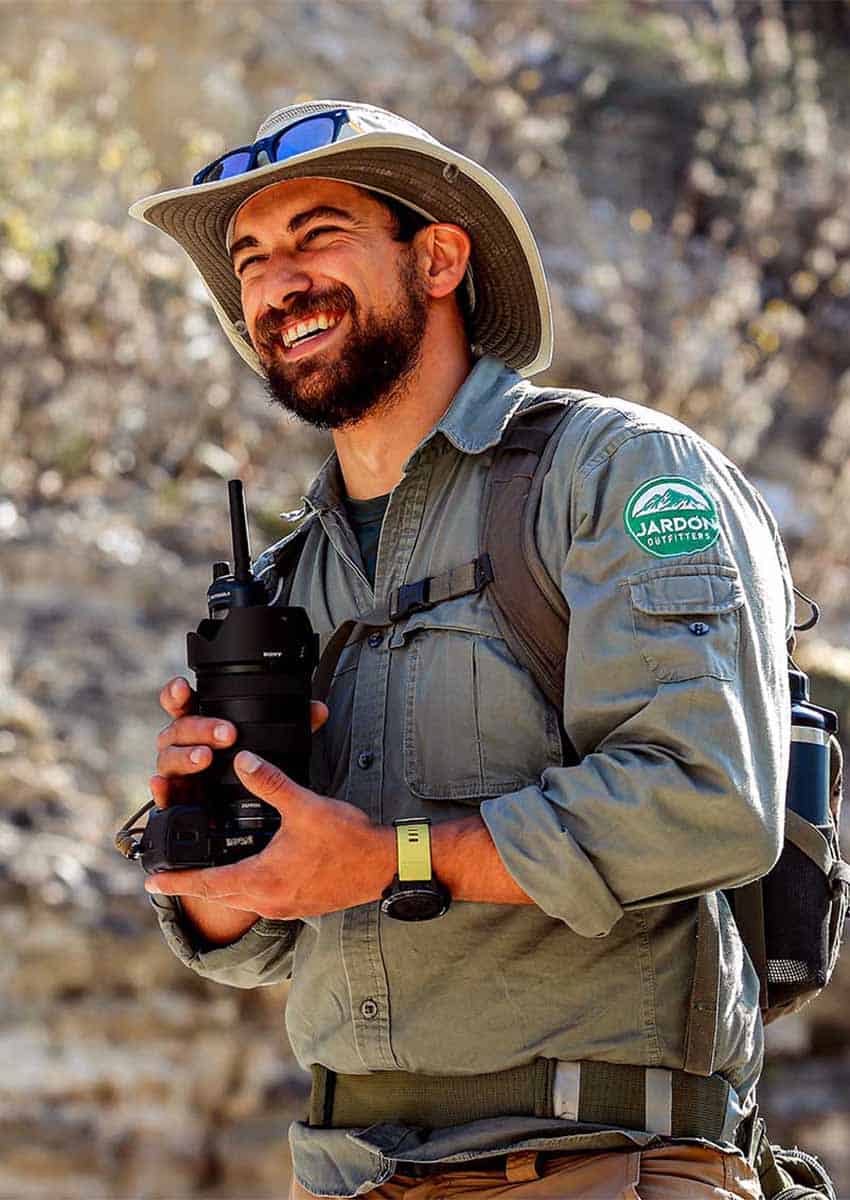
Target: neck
{"points": [[373, 452]]}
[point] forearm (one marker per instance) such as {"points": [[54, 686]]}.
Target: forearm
{"points": [[214, 923], [465, 859]]}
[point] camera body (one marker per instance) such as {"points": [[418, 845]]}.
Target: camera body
{"points": [[253, 665]]}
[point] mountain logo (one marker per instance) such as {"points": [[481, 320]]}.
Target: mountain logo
{"points": [[668, 516]]}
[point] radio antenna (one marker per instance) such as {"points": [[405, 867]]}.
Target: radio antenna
{"points": [[239, 532]]}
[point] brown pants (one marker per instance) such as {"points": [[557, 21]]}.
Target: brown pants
{"points": [[675, 1172]]}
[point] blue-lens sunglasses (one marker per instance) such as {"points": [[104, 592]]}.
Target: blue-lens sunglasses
{"points": [[310, 133]]}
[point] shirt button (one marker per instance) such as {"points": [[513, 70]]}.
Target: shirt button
{"points": [[365, 759], [375, 639], [369, 1009], [698, 628]]}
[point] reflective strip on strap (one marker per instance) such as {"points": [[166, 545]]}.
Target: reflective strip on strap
{"points": [[659, 1100], [565, 1093], [804, 733]]}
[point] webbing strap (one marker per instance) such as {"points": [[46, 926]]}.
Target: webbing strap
{"points": [[759, 1154], [409, 598], [330, 657], [426, 593], [529, 608], [748, 909], [609, 1094], [701, 1037], [809, 839], [839, 873]]}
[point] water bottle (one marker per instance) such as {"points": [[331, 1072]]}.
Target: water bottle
{"points": [[808, 769]]}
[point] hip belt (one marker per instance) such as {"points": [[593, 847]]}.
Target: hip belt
{"points": [[616, 1095]]}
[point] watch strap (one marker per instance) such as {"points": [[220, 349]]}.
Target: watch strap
{"points": [[413, 841]]}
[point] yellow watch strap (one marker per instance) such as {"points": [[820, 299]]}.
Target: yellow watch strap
{"points": [[413, 839]]}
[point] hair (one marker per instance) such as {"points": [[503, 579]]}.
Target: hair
{"points": [[407, 222]]}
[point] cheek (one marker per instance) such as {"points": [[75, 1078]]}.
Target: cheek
{"points": [[250, 299]]}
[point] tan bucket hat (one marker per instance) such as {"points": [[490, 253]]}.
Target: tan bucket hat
{"points": [[376, 149]]}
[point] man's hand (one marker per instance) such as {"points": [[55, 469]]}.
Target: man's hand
{"points": [[185, 746], [326, 856], [176, 782]]}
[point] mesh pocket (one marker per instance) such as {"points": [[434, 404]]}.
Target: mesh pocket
{"points": [[797, 899]]}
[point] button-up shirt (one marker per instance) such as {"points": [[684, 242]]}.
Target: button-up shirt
{"points": [[675, 698]]}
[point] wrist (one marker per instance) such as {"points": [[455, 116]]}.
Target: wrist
{"points": [[385, 857]]}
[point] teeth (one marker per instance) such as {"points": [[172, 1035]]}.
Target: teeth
{"points": [[314, 325]]}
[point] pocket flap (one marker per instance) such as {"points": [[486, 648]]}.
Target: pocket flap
{"points": [[669, 591]]}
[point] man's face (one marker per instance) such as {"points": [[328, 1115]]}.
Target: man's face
{"points": [[343, 273]]}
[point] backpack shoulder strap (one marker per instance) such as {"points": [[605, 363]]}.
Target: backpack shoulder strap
{"points": [[528, 606]]}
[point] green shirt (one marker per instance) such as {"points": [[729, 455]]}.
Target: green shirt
{"points": [[679, 792], [365, 517]]}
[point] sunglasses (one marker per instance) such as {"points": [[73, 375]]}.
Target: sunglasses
{"points": [[310, 133]]}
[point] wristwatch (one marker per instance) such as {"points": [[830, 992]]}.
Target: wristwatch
{"points": [[414, 894]]}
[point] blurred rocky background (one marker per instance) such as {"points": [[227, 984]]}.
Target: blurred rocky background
{"points": [[685, 167]]}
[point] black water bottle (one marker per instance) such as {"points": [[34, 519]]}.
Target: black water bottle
{"points": [[808, 767], [796, 894]]}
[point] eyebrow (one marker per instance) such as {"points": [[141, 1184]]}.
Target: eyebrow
{"points": [[320, 210]]}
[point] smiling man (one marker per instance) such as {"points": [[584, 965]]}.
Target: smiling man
{"points": [[513, 969], [353, 347], [349, 320]]}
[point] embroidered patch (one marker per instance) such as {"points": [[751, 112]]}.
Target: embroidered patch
{"points": [[668, 516]]}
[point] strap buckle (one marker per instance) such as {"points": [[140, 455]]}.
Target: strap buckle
{"points": [[484, 573], [427, 593], [410, 598]]}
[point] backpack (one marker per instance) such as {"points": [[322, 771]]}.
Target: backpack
{"points": [[792, 919]]}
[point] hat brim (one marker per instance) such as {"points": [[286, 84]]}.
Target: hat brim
{"points": [[512, 318]]}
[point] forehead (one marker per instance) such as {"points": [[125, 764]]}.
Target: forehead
{"points": [[281, 201]]}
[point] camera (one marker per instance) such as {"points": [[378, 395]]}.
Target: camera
{"points": [[253, 665]]}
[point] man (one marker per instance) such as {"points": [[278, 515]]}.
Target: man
{"points": [[566, 1026]]}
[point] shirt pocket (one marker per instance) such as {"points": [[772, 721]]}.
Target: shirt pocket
{"points": [[687, 620], [475, 723]]}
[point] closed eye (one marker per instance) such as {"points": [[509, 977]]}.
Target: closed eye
{"points": [[321, 229], [253, 258], [313, 232]]}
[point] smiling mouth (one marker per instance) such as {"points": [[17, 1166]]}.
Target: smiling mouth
{"points": [[297, 331], [307, 345]]}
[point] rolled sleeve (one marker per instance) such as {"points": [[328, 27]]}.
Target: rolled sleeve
{"points": [[260, 957], [676, 697], [547, 862]]}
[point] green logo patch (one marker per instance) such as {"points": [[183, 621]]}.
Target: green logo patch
{"points": [[669, 515]]}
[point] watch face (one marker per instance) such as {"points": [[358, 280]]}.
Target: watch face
{"points": [[419, 905]]}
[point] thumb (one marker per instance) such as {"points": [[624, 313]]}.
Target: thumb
{"points": [[265, 780]]}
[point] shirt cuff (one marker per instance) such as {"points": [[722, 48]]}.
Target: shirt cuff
{"points": [[547, 862], [251, 948]]}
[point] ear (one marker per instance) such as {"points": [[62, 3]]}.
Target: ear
{"points": [[444, 254]]}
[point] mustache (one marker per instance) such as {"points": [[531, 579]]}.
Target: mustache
{"points": [[269, 326]]}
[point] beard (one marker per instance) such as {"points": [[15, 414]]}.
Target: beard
{"points": [[364, 375]]}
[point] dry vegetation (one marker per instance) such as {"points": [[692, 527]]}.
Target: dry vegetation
{"points": [[685, 167]]}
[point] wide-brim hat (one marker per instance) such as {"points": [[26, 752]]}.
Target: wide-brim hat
{"points": [[511, 315]]}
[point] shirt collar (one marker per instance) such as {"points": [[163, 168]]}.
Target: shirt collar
{"points": [[474, 421]]}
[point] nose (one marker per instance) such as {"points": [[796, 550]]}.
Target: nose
{"points": [[283, 281]]}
